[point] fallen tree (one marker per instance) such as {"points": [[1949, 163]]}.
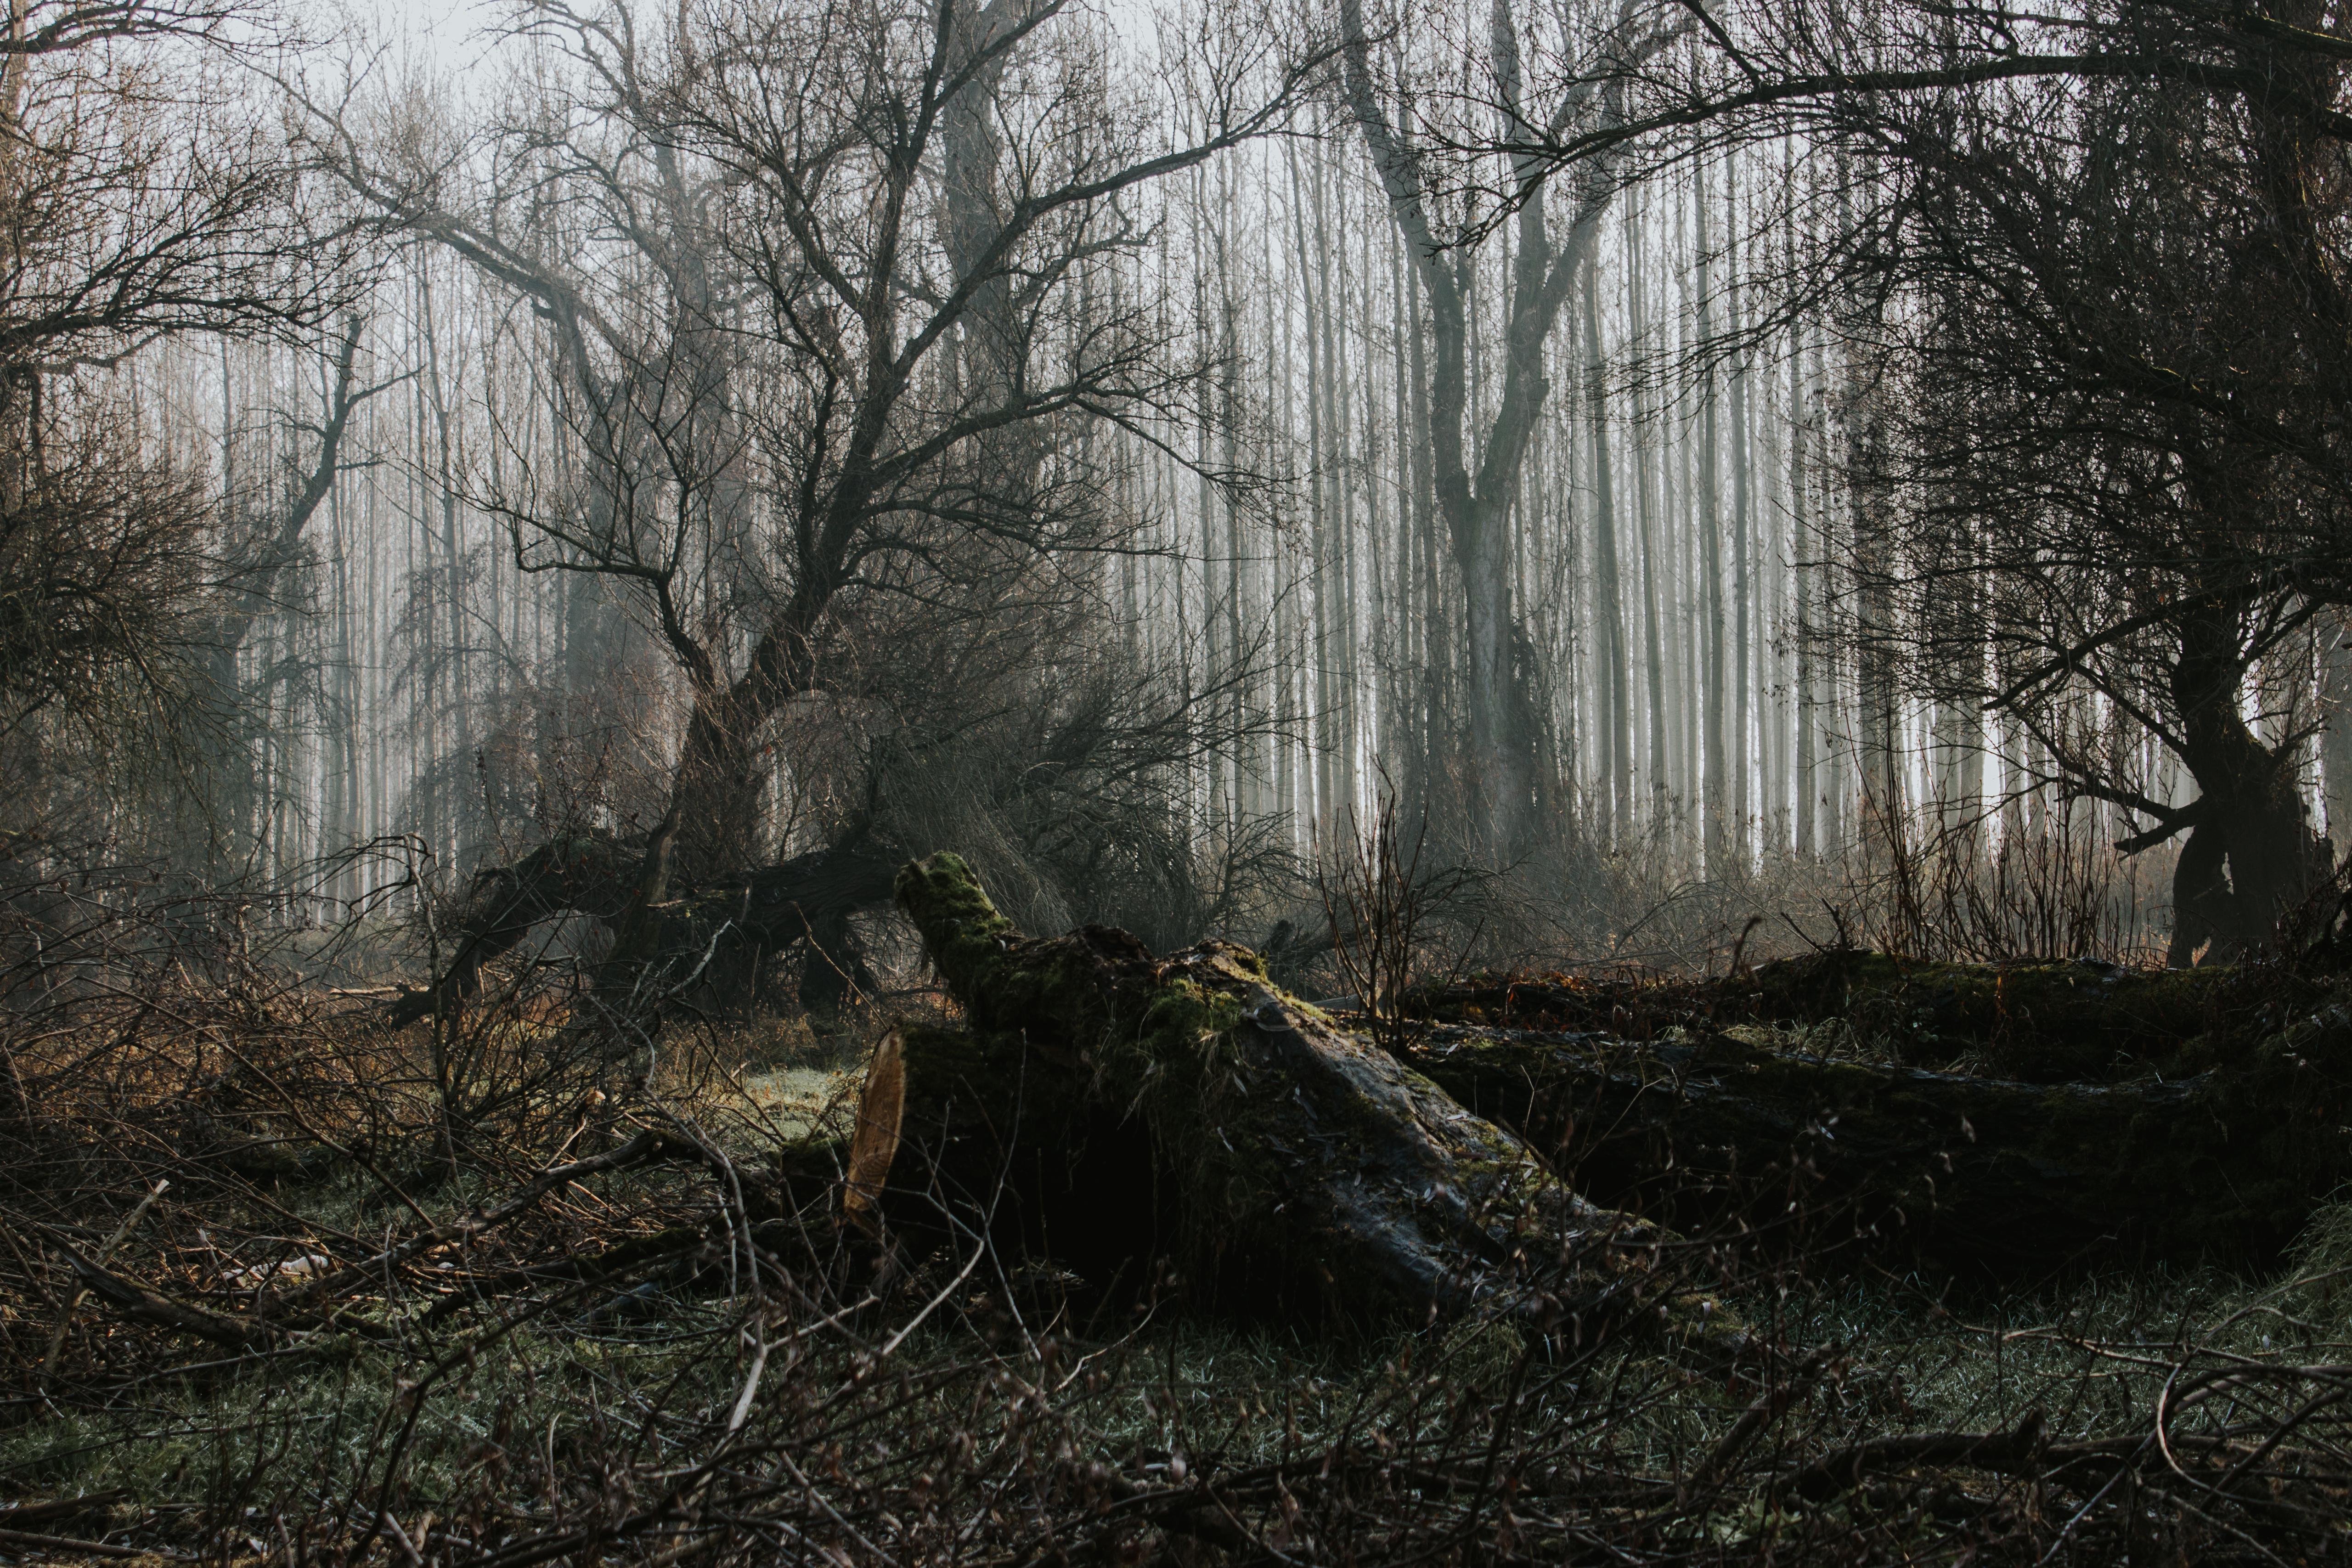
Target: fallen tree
{"points": [[2079, 1022], [1963, 1172], [2003, 1118], [1104, 1093], [1288, 1150]]}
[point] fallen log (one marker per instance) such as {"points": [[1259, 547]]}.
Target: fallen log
{"points": [[1966, 1173], [1298, 1165], [2075, 1022]]}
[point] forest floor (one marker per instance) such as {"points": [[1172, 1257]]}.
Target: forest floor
{"points": [[505, 1397]]}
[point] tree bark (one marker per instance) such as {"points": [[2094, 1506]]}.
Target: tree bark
{"points": [[1298, 1165], [2335, 740], [2250, 811], [1981, 1175], [2047, 1022], [1743, 620], [1714, 643], [2123, 1115], [1616, 743]]}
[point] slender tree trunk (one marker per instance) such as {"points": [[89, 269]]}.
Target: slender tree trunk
{"points": [[458, 673], [1318, 525], [1399, 738], [1236, 705], [1614, 734], [1743, 616], [1714, 646], [1661, 706], [1801, 547], [1437, 643], [1862, 406], [2335, 740]]}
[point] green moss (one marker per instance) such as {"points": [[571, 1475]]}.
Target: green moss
{"points": [[962, 931], [1183, 1018]]}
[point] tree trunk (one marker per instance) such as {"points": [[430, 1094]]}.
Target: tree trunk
{"points": [[954, 1123], [2250, 810], [2336, 740], [1297, 1165], [1714, 647], [2199, 895], [807, 899], [1616, 743], [2125, 1113], [2050, 1023], [1802, 545], [1743, 619], [1974, 1175], [1317, 775]]}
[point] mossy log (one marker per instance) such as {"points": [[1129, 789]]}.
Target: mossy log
{"points": [[1285, 1162], [1969, 1173], [2078, 1022]]}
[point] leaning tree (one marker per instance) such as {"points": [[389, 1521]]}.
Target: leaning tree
{"points": [[827, 309]]}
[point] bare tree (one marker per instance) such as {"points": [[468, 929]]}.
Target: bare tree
{"points": [[139, 203], [1500, 755], [835, 328], [818, 385], [2081, 273]]}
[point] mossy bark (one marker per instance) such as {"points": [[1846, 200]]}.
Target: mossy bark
{"points": [[1295, 1165], [1978, 1174]]}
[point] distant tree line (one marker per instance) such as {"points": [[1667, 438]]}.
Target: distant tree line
{"points": [[1658, 448]]}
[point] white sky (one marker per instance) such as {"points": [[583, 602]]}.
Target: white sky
{"points": [[446, 33]]}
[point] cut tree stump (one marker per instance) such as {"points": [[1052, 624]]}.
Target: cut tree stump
{"points": [[1285, 1162], [962, 1130]]}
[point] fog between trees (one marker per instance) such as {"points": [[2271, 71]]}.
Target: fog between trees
{"points": [[1864, 464], [1334, 780]]}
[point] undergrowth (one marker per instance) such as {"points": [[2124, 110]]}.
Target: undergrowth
{"points": [[557, 1278]]}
